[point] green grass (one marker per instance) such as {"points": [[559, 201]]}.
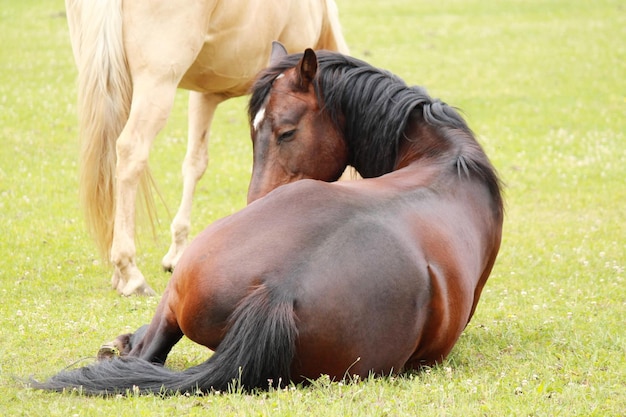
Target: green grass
{"points": [[542, 83]]}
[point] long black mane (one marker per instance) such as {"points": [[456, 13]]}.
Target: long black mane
{"points": [[375, 107]]}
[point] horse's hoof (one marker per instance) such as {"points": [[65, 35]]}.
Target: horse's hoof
{"points": [[144, 290], [138, 287], [173, 255], [108, 351]]}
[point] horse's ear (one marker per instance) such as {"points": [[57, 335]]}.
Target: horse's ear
{"points": [[307, 68], [278, 53]]}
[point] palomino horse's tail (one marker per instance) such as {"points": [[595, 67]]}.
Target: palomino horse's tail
{"points": [[256, 352], [104, 97], [332, 35]]}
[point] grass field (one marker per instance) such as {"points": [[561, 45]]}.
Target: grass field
{"points": [[542, 83]]}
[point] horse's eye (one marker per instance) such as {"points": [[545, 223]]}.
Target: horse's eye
{"points": [[286, 136]]}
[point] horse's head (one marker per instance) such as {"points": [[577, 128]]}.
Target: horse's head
{"points": [[292, 137]]}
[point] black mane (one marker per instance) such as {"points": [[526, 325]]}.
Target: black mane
{"points": [[375, 106]]}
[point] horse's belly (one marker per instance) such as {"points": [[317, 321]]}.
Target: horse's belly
{"points": [[238, 42], [339, 346], [204, 80], [360, 317]]}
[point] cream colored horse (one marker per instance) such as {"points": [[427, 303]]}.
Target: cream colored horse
{"points": [[131, 58]]}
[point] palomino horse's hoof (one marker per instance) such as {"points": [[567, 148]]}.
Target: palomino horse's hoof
{"points": [[108, 351]]}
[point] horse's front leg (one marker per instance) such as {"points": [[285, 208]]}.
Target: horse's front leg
{"points": [[201, 110], [152, 103]]}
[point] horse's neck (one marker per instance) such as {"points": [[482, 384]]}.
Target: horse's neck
{"points": [[448, 160], [421, 144]]}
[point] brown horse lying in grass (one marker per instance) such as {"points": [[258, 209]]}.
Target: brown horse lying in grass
{"points": [[375, 276]]}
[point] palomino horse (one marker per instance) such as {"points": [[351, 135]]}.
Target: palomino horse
{"points": [[131, 58], [374, 276]]}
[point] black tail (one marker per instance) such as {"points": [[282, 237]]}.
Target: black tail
{"points": [[256, 352]]}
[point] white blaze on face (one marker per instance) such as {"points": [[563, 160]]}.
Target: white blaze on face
{"points": [[260, 116], [258, 119]]}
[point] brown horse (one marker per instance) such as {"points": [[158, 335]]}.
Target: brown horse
{"points": [[131, 57], [374, 276]]}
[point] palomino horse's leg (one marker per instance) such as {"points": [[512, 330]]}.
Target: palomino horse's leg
{"points": [[152, 102], [153, 35], [201, 110]]}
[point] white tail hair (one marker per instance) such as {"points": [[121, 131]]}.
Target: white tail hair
{"points": [[104, 98], [332, 35]]}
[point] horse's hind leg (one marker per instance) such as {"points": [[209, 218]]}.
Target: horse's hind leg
{"points": [[153, 346], [201, 110], [122, 345], [150, 342], [152, 102], [162, 40]]}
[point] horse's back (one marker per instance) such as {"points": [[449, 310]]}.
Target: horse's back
{"points": [[396, 272], [219, 46], [407, 267]]}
